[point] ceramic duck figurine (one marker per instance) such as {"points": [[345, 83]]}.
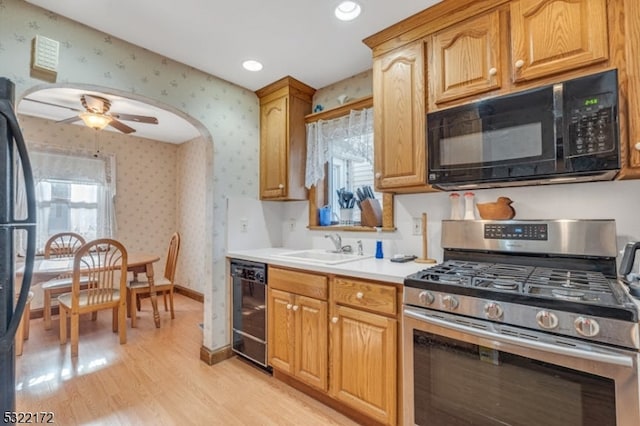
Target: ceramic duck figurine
{"points": [[498, 210]]}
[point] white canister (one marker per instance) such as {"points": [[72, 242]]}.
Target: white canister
{"points": [[469, 206], [456, 206]]}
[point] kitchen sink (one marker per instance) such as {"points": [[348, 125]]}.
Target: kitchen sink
{"points": [[321, 256]]}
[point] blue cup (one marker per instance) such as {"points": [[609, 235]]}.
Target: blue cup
{"points": [[325, 216]]}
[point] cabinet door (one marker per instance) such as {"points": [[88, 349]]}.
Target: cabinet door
{"points": [[465, 59], [311, 349], [280, 330], [551, 36], [273, 148], [363, 363], [632, 42], [399, 117]]}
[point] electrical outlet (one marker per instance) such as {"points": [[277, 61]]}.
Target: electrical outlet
{"points": [[292, 225], [417, 226], [244, 225]]}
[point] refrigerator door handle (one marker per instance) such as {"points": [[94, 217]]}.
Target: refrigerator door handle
{"points": [[28, 224], [12, 121]]}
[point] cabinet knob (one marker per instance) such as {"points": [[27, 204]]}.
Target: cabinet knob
{"points": [[296, 307], [281, 186], [289, 306], [334, 320], [493, 71], [378, 175], [637, 146], [519, 63], [359, 295]]}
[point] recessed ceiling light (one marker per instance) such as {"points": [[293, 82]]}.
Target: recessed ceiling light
{"points": [[348, 10], [252, 65]]}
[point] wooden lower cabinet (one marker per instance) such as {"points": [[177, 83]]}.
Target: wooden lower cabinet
{"points": [[297, 339], [363, 362], [347, 357]]}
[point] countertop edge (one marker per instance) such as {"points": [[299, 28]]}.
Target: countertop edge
{"points": [[369, 268]]}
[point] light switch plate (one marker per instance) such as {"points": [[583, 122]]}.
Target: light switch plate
{"points": [[416, 226]]}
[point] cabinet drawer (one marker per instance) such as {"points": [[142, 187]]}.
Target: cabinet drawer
{"points": [[296, 282], [363, 294]]}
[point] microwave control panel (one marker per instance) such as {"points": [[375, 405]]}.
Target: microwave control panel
{"points": [[592, 127]]}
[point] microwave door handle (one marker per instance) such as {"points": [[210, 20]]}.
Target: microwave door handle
{"points": [[608, 358]]}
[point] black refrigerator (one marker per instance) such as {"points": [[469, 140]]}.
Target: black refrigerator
{"points": [[16, 183]]}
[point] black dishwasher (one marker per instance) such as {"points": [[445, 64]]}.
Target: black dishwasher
{"points": [[250, 310]]}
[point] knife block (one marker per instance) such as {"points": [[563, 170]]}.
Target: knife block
{"points": [[371, 214]]}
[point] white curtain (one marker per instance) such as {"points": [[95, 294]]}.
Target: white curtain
{"points": [[350, 136], [97, 172]]}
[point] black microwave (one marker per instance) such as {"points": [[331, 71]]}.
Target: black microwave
{"points": [[560, 133]]}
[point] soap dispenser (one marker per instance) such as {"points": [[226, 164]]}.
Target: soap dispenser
{"points": [[379, 254]]}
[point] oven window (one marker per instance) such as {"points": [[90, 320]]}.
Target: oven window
{"points": [[456, 383]]}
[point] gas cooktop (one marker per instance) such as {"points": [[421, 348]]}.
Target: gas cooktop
{"points": [[563, 289]]}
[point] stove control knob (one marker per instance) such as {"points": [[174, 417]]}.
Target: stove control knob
{"points": [[586, 327], [547, 320], [425, 297], [493, 310], [450, 302]]}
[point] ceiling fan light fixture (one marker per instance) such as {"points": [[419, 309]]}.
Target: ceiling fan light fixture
{"points": [[95, 121], [347, 10]]}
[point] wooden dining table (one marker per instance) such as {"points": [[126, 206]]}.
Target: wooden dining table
{"points": [[46, 269]]}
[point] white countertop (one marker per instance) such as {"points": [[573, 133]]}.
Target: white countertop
{"points": [[367, 268]]}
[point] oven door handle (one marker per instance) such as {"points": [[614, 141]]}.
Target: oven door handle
{"points": [[608, 358]]}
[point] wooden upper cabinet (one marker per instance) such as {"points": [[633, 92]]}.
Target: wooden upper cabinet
{"points": [[273, 151], [632, 21], [399, 118], [283, 144], [465, 59], [552, 36]]}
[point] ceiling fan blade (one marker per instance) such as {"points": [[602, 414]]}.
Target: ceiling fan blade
{"points": [[96, 104], [50, 104], [121, 126], [68, 120], [136, 118]]}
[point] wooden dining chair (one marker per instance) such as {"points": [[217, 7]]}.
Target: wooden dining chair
{"points": [[22, 333], [63, 244], [163, 285], [104, 263]]}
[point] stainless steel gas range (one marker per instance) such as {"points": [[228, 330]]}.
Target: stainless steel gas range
{"points": [[524, 323]]}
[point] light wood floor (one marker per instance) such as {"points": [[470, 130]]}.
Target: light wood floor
{"points": [[156, 378]]}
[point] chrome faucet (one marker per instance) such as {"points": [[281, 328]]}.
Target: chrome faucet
{"points": [[360, 251], [336, 240]]}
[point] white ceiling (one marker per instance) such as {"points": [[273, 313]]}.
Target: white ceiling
{"points": [[301, 38]]}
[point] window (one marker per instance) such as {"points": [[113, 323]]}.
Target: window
{"points": [[340, 156], [74, 192]]}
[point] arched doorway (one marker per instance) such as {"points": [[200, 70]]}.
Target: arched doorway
{"points": [[150, 186]]}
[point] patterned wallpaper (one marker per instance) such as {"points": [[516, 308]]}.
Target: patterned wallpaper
{"points": [[227, 115], [190, 211], [355, 87], [146, 190]]}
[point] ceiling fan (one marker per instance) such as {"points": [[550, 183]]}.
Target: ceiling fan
{"points": [[97, 114]]}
